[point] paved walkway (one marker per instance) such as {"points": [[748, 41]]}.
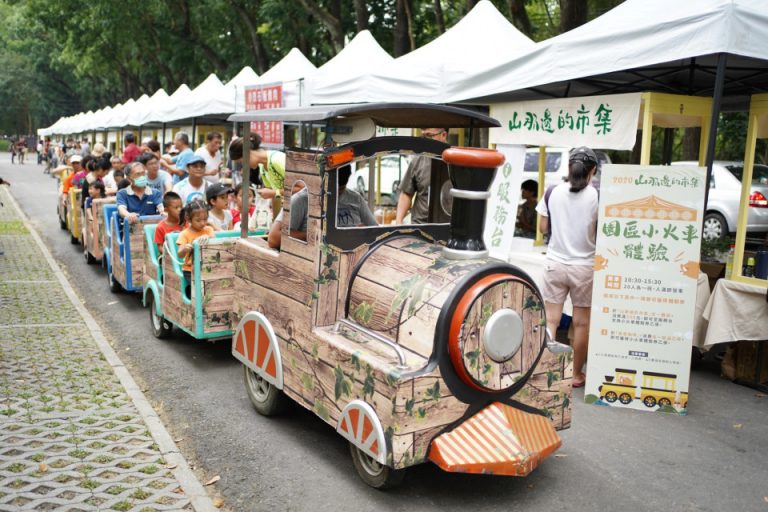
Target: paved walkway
{"points": [[76, 433]]}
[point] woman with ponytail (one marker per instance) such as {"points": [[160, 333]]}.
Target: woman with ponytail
{"points": [[569, 214]]}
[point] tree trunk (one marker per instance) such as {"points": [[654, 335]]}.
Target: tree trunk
{"points": [[403, 32], [331, 22], [439, 18], [257, 47], [520, 16], [361, 15], [691, 139], [573, 13]]}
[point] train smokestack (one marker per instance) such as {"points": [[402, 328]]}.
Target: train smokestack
{"points": [[471, 171]]}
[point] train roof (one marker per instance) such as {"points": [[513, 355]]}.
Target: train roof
{"points": [[387, 115]]}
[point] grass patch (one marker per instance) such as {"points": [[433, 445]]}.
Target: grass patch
{"points": [[13, 227]]}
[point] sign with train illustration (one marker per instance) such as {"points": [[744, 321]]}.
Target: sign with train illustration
{"points": [[644, 292]]}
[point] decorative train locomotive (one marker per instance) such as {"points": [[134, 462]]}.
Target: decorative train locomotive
{"points": [[410, 341]]}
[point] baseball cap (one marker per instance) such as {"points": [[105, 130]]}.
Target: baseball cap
{"points": [[215, 190], [583, 154], [195, 159], [75, 159]]}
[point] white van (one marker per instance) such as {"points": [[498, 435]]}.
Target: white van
{"points": [[556, 167]]}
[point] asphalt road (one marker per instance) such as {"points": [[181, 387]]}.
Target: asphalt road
{"points": [[714, 459]]}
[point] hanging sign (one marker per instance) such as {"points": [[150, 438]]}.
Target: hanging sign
{"points": [[261, 97], [606, 122], [644, 291], [501, 213]]}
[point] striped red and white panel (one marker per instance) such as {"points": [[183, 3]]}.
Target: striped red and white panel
{"points": [[255, 345], [500, 440]]}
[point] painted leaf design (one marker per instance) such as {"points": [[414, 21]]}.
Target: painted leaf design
{"points": [[343, 385], [369, 385], [434, 391], [356, 360], [409, 406], [532, 303], [486, 313], [363, 313]]}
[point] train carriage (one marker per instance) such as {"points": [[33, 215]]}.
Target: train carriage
{"points": [[61, 204], [124, 249], [93, 227], [206, 313], [75, 215], [409, 340]]}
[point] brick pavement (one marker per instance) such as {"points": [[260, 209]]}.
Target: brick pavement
{"points": [[76, 433]]}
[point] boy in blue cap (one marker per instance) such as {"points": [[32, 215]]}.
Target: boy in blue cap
{"points": [[193, 186]]}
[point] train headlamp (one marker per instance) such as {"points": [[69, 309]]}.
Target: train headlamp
{"points": [[503, 335]]}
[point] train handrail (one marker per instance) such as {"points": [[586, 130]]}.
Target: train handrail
{"points": [[394, 346]]}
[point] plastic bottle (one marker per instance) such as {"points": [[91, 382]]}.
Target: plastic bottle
{"points": [[729, 261], [749, 268]]}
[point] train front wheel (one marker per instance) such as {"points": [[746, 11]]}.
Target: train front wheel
{"points": [[160, 328], [625, 398], [266, 398], [372, 472], [611, 396]]}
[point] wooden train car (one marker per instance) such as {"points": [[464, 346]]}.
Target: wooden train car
{"points": [[61, 203], [409, 340], [124, 250], [206, 313], [656, 389], [75, 215], [93, 225]]}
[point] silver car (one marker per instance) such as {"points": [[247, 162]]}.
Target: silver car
{"points": [[725, 195]]}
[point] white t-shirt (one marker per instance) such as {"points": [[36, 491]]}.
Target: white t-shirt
{"points": [[211, 162], [188, 193], [573, 224], [109, 179], [221, 224]]}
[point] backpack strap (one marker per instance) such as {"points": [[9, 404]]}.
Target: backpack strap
{"points": [[548, 193]]}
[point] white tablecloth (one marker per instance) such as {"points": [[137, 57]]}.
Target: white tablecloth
{"points": [[533, 260], [736, 311]]}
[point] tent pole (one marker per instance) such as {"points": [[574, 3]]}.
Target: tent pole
{"points": [[246, 168], [716, 100], [194, 130], [163, 136]]}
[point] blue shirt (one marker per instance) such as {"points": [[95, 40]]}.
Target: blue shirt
{"points": [[180, 161], [147, 205]]}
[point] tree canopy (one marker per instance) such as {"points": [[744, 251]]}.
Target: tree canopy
{"points": [[61, 57]]}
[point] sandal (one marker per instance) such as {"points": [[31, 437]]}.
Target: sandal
{"points": [[579, 383]]}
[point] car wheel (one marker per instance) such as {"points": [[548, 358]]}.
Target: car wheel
{"points": [[266, 398], [114, 286], [715, 226], [395, 187], [89, 259], [372, 472], [160, 328], [360, 185]]}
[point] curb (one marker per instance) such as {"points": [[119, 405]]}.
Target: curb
{"points": [[192, 487]]}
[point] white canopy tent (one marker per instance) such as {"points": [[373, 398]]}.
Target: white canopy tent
{"points": [[475, 43], [210, 97], [360, 57], [134, 114], [156, 102], [169, 110], [291, 71], [236, 87], [638, 45]]}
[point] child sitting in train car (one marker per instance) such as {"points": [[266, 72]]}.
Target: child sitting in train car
{"points": [[196, 213], [173, 221], [218, 216], [96, 190], [239, 200]]}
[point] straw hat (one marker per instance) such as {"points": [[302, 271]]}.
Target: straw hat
{"points": [[98, 149]]}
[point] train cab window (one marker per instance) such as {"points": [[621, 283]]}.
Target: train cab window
{"points": [[379, 182], [299, 211], [351, 208]]}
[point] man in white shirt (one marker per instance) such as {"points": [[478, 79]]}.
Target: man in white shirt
{"points": [[193, 186], [211, 153]]}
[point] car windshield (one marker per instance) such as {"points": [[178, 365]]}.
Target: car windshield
{"points": [[532, 162], [759, 173]]}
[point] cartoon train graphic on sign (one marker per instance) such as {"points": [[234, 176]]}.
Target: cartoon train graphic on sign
{"points": [[656, 389], [410, 341]]}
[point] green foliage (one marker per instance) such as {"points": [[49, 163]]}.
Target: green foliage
{"points": [[363, 313], [343, 384], [434, 391]]}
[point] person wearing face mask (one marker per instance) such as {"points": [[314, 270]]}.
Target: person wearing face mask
{"points": [[138, 199]]}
